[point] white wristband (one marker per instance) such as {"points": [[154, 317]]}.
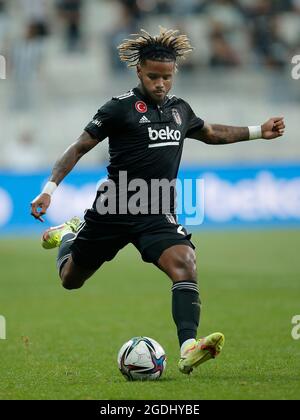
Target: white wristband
{"points": [[255, 132], [49, 188]]}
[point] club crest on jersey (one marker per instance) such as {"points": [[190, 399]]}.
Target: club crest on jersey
{"points": [[176, 116], [141, 107]]}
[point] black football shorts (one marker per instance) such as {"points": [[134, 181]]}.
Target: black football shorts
{"points": [[101, 237]]}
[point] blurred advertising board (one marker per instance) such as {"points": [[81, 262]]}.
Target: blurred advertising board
{"points": [[237, 196]]}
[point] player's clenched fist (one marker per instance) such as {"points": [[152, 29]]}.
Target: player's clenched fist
{"points": [[273, 128], [40, 205]]}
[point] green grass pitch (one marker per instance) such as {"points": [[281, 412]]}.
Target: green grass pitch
{"points": [[64, 345]]}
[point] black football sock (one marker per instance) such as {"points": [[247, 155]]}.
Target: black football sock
{"points": [[64, 250], [186, 307]]}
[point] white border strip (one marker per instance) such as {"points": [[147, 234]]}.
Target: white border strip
{"points": [[168, 143]]}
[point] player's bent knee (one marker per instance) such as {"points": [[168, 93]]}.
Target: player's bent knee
{"points": [[186, 262], [71, 286], [188, 272], [73, 276], [69, 282], [182, 266]]}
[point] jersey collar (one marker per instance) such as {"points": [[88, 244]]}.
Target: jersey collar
{"points": [[146, 99]]}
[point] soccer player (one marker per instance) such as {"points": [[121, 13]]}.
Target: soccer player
{"points": [[146, 129]]}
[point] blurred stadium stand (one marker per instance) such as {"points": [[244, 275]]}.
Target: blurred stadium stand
{"points": [[62, 64]]}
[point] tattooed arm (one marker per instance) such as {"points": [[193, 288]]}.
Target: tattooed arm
{"points": [[224, 134], [62, 167], [71, 156]]}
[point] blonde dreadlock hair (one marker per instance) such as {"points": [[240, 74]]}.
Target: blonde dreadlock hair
{"points": [[167, 46]]}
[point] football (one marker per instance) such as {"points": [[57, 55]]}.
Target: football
{"points": [[142, 358]]}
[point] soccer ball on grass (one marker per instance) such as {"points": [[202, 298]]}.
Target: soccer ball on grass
{"points": [[142, 358]]}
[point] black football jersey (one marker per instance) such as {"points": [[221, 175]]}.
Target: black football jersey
{"points": [[145, 139]]}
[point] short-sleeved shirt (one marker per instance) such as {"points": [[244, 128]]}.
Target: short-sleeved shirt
{"points": [[145, 139]]}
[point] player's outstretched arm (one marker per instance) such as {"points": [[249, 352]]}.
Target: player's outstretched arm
{"points": [[60, 170], [224, 134]]}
